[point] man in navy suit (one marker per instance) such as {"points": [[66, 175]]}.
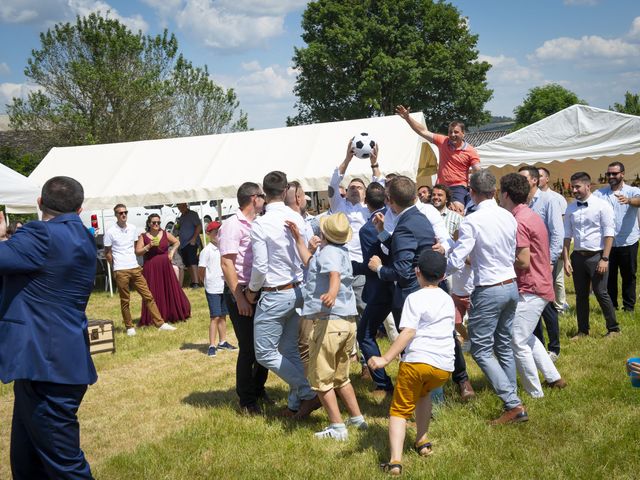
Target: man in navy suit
{"points": [[48, 268]]}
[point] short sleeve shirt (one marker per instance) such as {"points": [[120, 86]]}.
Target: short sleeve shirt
{"points": [[210, 260], [188, 223], [234, 237], [454, 163], [625, 216], [122, 240], [331, 258]]}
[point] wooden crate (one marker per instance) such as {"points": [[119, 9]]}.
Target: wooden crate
{"points": [[101, 337]]}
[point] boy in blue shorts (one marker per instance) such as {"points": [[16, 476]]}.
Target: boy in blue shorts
{"points": [[210, 274], [330, 302], [426, 325]]}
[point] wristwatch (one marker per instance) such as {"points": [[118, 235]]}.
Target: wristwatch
{"points": [[606, 259], [375, 165]]}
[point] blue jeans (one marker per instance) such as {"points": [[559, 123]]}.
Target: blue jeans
{"points": [[490, 330], [275, 332]]}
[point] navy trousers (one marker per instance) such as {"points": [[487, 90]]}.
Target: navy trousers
{"points": [[45, 433]]}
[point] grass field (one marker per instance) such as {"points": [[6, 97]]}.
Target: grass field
{"points": [[162, 409]]}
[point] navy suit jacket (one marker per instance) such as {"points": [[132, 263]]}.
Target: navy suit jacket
{"points": [[413, 233], [375, 291], [48, 270]]}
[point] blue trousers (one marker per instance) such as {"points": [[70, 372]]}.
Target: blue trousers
{"points": [[370, 322], [45, 433]]}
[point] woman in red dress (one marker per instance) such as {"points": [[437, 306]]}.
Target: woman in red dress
{"points": [[158, 247]]}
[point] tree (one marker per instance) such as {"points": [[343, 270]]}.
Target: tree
{"points": [[101, 83], [631, 104], [363, 57], [542, 102]]}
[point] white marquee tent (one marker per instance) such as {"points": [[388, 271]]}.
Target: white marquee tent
{"points": [[18, 193], [210, 167], [578, 138]]}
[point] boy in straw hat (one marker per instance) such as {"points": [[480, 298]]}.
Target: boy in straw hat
{"points": [[329, 300]]}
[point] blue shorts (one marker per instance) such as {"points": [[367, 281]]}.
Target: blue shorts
{"points": [[460, 193], [217, 305]]}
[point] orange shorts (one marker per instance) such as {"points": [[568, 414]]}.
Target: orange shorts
{"points": [[415, 380]]}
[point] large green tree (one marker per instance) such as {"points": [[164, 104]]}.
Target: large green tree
{"points": [[541, 102], [365, 56], [101, 83], [631, 104]]}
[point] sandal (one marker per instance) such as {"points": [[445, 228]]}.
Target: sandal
{"points": [[394, 469], [424, 450]]}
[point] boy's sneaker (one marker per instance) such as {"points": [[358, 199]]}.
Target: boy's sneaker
{"points": [[359, 422], [212, 351], [226, 346], [131, 332], [339, 434], [165, 326]]}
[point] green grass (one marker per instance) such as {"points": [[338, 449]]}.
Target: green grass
{"points": [[163, 410]]}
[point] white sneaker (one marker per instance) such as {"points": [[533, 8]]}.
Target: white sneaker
{"points": [[331, 432], [166, 326], [360, 424], [553, 356], [131, 332]]}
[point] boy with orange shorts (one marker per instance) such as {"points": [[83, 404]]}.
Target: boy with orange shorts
{"points": [[426, 337]]}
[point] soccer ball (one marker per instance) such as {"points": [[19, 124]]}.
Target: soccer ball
{"points": [[362, 145]]}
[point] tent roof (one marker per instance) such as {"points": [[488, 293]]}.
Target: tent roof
{"points": [[214, 166], [17, 192], [574, 134]]}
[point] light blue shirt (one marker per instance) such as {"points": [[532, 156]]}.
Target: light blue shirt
{"points": [[544, 205], [625, 216], [331, 258]]}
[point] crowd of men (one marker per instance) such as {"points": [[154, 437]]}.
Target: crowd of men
{"points": [[504, 265]]}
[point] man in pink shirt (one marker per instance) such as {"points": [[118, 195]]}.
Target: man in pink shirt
{"points": [[535, 287], [234, 242], [456, 158]]}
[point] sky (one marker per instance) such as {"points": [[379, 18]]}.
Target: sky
{"points": [[591, 47]]}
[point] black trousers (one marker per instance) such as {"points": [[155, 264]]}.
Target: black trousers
{"points": [[624, 259], [250, 375], [550, 317], [585, 276], [45, 433]]}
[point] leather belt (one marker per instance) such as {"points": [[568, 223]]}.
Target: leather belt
{"points": [[288, 286], [589, 253], [506, 282]]}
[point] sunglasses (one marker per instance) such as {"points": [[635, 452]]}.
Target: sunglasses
{"points": [[123, 212], [261, 195], [154, 223], [612, 174]]}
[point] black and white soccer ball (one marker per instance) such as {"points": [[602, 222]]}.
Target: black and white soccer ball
{"points": [[362, 145]]}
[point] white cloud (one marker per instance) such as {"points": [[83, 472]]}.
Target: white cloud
{"points": [[4, 69], [52, 11], [634, 33], [580, 3], [10, 90], [507, 70], [587, 47]]}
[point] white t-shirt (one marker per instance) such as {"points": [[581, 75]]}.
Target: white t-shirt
{"points": [[213, 277], [430, 311], [121, 241]]}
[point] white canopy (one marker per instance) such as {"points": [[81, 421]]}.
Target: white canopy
{"points": [[18, 193], [578, 138], [214, 166]]}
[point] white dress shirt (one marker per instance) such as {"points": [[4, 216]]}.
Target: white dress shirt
{"points": [[589, 224], [276, 261], [429, 211], [122, 242], [488, 237]]}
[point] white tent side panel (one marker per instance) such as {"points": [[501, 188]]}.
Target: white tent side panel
{"points": [[214, 166], [18, 193]]}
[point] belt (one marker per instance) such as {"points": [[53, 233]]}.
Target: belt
{"points": [[506, 282], [288, 286], [588, 253]]}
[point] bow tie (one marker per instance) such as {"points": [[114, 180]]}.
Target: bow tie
{"points": [[583, 204]]}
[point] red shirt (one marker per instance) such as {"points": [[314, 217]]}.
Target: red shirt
{"points": [[454, 163], [532, 234]]}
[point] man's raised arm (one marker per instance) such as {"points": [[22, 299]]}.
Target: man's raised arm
{"points": [[416, 126]]}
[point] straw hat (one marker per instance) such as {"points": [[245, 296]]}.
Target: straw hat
{"points": [[336, 228]]}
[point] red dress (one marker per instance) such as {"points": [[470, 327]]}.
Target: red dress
{"points": [[167, 292]]}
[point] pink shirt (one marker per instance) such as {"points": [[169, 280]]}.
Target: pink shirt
{"points": [[235, 237], [454, 163], [532, 234]]}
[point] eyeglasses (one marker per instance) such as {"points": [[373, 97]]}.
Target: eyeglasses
{"points": [[261, 195], [123, 212], [612, 174], [154, 223]]}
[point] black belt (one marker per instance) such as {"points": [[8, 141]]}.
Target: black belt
{"points": [[288, 286], [588, 253], [506, 282]]}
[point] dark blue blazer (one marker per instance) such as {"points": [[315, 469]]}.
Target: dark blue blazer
{"points": [[413, 233], [375, 291], [48, 270]]}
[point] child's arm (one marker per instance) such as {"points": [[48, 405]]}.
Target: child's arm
{"points": [[305, 254], [405, 337], [201, 273], [329, 298]]}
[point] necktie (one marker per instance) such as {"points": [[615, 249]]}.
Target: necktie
{"points": [[583, 204]]}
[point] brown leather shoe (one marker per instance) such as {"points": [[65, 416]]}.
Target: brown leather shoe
{"points": [[515, 415], [560, 383], [379, 394], [287, 413], [308, 406], [365, 374], [579, 336], [466, 391]]}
